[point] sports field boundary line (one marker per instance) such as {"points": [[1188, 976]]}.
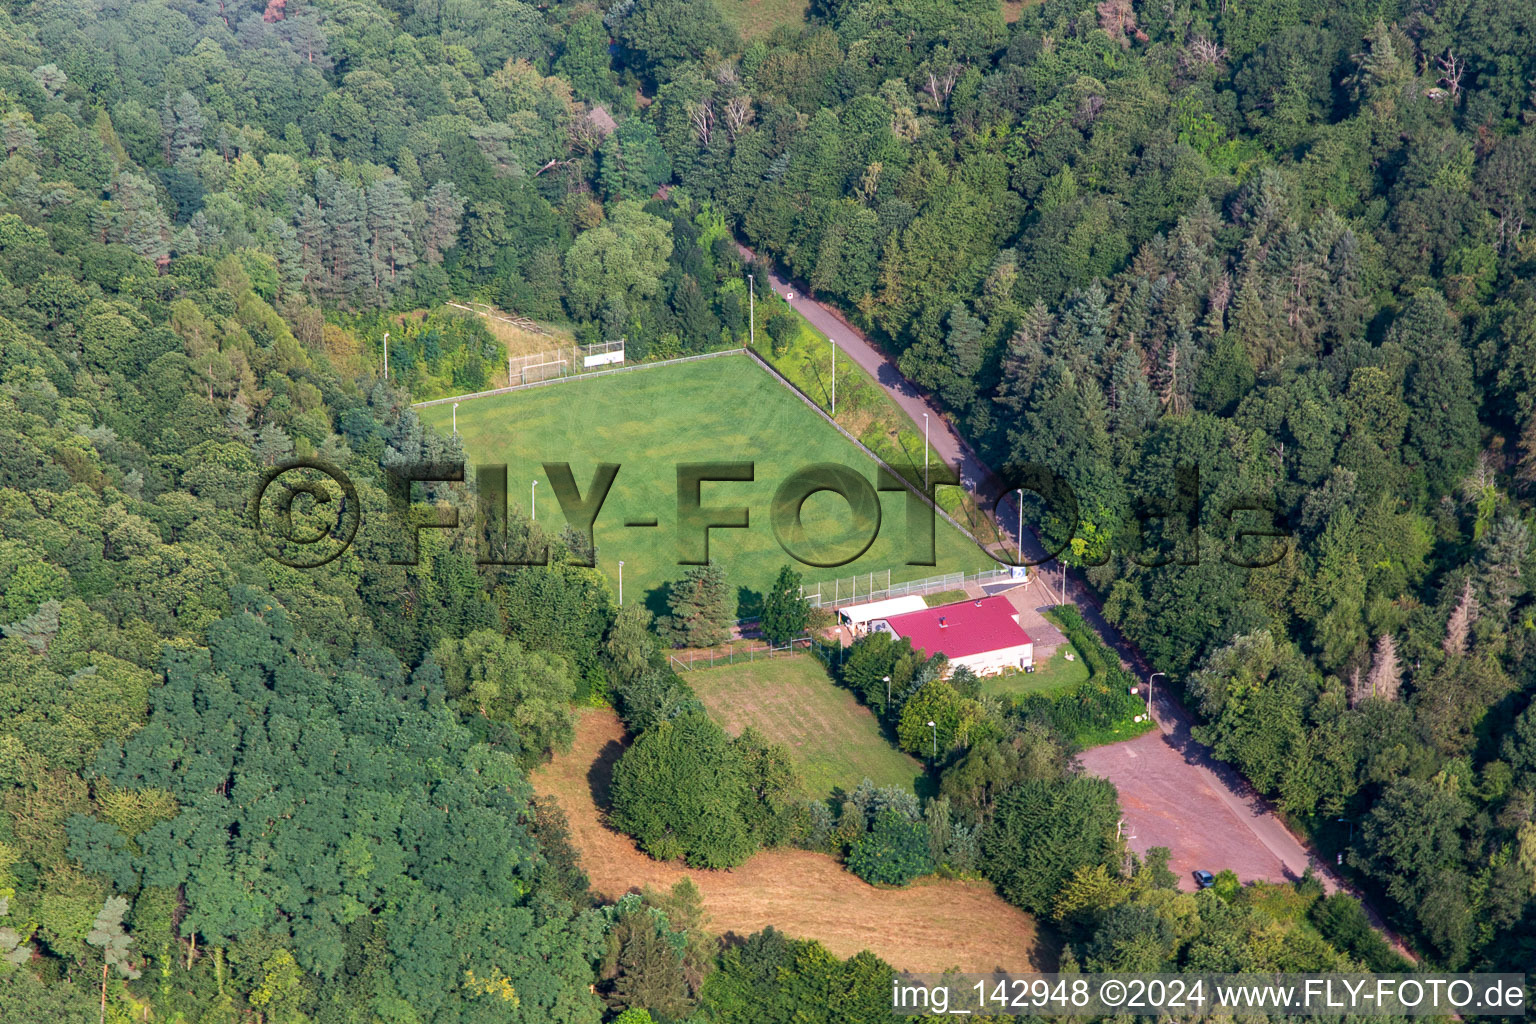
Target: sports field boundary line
{"points": [[773, 371], [580, 376]]}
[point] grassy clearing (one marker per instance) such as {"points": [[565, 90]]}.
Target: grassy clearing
{"points": [[754, 18], [933, 925], [834, 739], [717, 410], [1013, 10], [944, 597], [522, 342], [1054, 676]]}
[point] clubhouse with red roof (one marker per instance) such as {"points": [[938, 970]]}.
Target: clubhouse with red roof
{"points": [[983, 634]]}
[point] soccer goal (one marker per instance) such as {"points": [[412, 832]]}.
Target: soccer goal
{"points": [[544, 371]]}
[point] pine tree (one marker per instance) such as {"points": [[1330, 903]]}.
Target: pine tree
{"points": [[1459, 625], [1025, 358], [181, 128], [444, 214], [310, 233], [700, 609], [1386, 676], [389, 234], [237, 420], [108, 934], [785, 611], [305, 36], [1132, 404], [1443, 432], [49, 79], [348, 263], [272, 444], [140, 222]]}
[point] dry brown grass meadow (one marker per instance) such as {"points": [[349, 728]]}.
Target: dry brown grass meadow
{"points": [[930, 926]]}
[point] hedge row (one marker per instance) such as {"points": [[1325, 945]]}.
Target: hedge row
{"points": [[1101, 708]]}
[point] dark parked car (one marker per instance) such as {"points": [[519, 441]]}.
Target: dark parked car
{"points": [[1204, 879]]}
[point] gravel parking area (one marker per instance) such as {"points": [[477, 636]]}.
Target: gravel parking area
{"points": [[1174, 794]]}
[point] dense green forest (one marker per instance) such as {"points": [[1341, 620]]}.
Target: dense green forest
{"points": [[1283, 242]]}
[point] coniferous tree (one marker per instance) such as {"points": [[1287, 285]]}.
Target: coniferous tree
{"points": [[140, 222], [346, 259], [107, 933], [644, 966], [1386, 676], [310, 235], [1442, 429], [893, 852], [632, 161], [389, 233], [700, 609], [584, 60], [182, 125], [1458, 626], [444, 212], [785, 610]]}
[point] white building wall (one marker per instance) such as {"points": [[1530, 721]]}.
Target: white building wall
{"points": [[991, 662]]}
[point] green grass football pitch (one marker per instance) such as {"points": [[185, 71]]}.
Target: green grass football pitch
{"points": [[648, 421]]}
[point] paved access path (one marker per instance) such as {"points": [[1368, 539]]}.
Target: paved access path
{"points": [[1174, 792], [974, 474]]}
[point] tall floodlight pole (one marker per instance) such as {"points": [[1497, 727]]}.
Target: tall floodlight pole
{"points": [[386, 355], [925, 451], [752, 310], [455, 419], [621, 584], [533, 501], [1150, 678], [1021, 526], [887, 694], [932, 725], [834, 375]]}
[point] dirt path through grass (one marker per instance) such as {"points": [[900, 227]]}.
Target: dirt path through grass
{"points": [[930, 926]]}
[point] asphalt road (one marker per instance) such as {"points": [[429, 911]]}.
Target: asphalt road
{"points": [[1174, 792]]}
